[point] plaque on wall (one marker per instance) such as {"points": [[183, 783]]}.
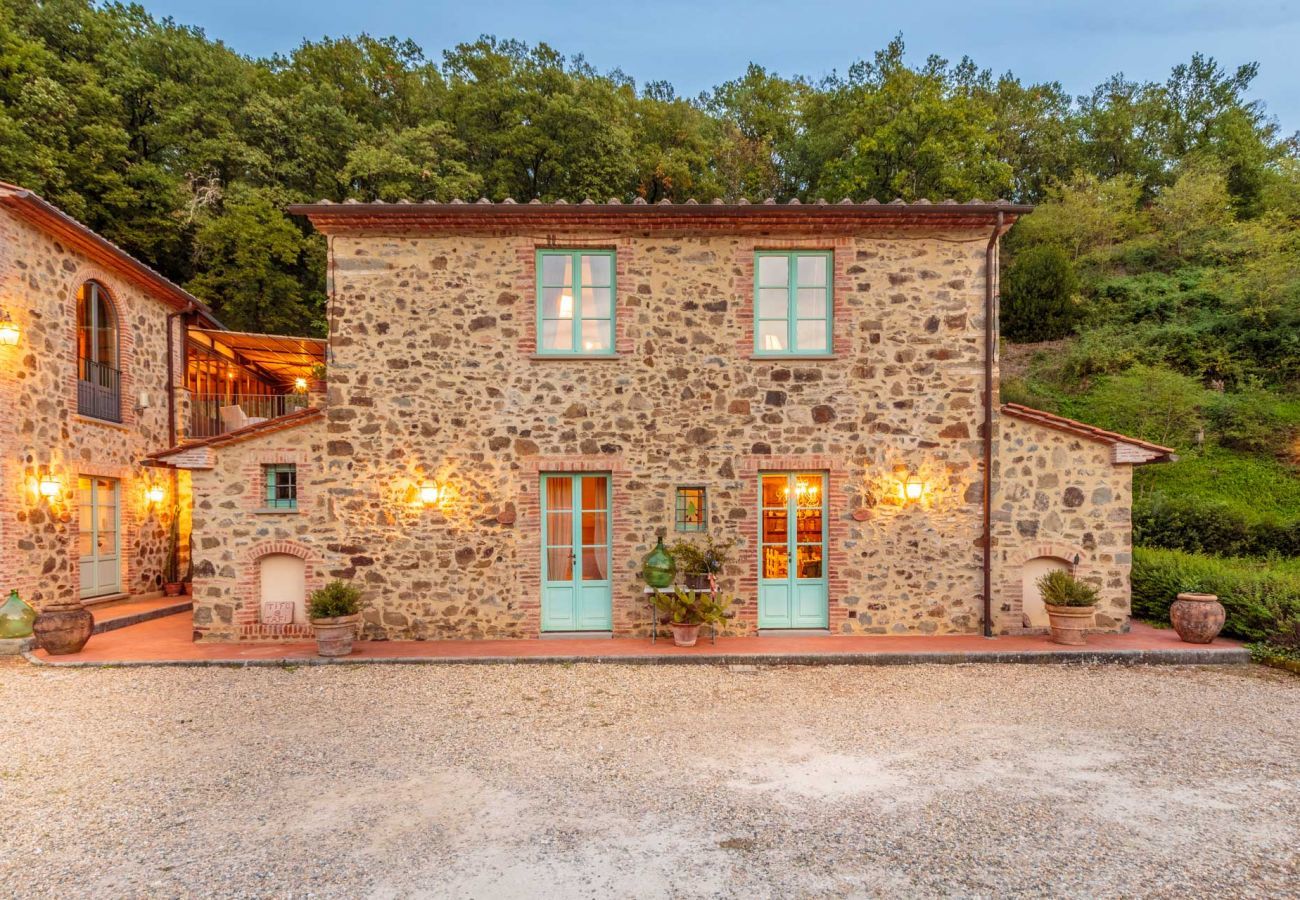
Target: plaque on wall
{"points": [[277, 612]]}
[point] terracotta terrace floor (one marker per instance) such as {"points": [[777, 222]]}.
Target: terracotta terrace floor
{"points": [[167, 641]]}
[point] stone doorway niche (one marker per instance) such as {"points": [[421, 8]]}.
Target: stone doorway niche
{"points": [[283, 580], [1035, 614]]}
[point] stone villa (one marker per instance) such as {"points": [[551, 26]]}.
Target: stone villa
{"points": [[517, 396]]}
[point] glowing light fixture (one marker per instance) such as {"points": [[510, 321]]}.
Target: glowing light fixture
{"points": [[300, 385], [912, 488], [9, 330], [156, 494], [430, 493], [49, 486]]}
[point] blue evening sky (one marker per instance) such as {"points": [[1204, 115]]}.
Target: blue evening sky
{"points": [[696, 45]]}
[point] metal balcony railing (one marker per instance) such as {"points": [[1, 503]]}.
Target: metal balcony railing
{"points": [[214, 414], [99, 391]]}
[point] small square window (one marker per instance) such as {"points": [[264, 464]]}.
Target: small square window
{"points": [[281, 486], [692, 513]]}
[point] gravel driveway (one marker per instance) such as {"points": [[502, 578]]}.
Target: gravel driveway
{"points": [[614, 781]]}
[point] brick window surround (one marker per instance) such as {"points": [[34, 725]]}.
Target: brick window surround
{"points": [[526, 257]]}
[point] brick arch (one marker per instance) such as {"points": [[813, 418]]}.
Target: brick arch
{"points": [[1013, 578], [248, 592]]}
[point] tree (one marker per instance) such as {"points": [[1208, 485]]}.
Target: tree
{"points": [[1038, 296]]}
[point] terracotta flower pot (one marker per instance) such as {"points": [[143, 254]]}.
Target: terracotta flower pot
{"points": [[684, 635], [63, 629], [172, 588], [334, 636], [1198, 618], [1070, 624]]}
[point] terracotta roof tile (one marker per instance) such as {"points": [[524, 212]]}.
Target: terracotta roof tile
{"points": [[1156, 452], [278, 423]]}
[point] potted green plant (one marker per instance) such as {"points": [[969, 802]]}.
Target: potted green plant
{"points": [[685, 611], [334, 611], [700, 564], [1069, 603], [172, 585]]}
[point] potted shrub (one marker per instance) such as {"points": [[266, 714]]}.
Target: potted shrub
{"points": [[316, 383], [172, 585], [334, 611], [700, 564], [685, 611], [1069, 604]]}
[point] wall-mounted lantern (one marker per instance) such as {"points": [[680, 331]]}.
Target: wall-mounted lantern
{"points": [[156, 494], [431, 493], [9, 330], [49, 486], [300, 385], [912, 489]]}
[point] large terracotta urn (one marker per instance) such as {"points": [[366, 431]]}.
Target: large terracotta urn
{"points": [[63, 628], [1198, 618]]}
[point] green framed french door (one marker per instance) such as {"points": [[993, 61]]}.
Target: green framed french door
{"points": [[577, 590], [100, 535], [792, 590]]}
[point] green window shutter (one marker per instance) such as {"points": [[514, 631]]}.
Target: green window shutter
{"points": [[793, 293], [575, 302]]}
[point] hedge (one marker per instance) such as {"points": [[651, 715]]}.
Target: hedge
{"points": [[1261, 602], [1205, 526]]}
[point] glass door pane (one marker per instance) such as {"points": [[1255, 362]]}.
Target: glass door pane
{"points": [[559, 529], [776, 526], [595, 528]]}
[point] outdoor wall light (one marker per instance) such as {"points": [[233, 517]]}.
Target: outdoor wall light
{"points": [[9, 330], [430, 493], [300, 385], [156, 494], [912, 489], [49, 486]]}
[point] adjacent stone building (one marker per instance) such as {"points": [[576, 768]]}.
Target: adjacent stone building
{"points": [[521, 395], [86, 394]]}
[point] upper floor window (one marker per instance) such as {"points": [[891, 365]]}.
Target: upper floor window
{"points": [[99, 382], [575, 302], [281, 486], [792, 302]]}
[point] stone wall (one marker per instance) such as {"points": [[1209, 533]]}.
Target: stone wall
{"points": [[233, 531], [41, 430], [433, 376], [1061, 495]]}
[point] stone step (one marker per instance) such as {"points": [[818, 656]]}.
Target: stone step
{"points": [[111, 622]]}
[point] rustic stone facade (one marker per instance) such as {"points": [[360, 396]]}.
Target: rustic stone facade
{"points": [[434, 377], [234, 530], [1062, 496], [41, 431], [434, 372]]}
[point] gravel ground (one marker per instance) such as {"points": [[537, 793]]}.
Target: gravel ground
{"points": [[612, 781]]}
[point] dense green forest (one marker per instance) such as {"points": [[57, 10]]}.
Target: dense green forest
{"points": [[1155, 291]]}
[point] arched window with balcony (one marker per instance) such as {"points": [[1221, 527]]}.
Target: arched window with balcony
{"points": [[99, 379]]}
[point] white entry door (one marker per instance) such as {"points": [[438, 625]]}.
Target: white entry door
{"points": [[100, 522]]}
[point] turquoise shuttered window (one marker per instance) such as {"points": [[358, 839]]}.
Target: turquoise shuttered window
{"points": [[575, 302], [281, 486], [792, 302]]}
